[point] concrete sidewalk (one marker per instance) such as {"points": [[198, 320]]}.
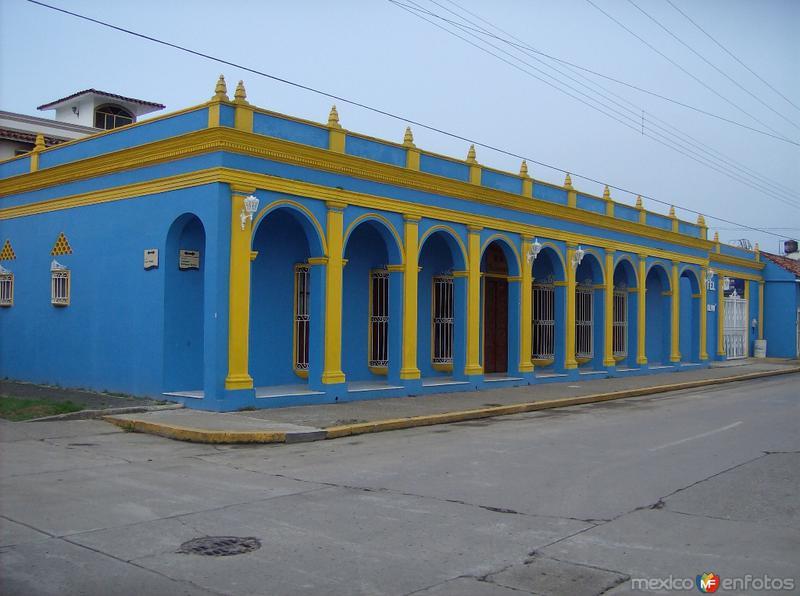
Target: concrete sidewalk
{"points": [[329, 421]]}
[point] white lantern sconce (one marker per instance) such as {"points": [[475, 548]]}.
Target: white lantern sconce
{"points": [[248, 209], [534, 251], [578, 257]]}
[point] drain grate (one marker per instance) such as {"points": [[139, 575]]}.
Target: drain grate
{"points": [[220, 546]]}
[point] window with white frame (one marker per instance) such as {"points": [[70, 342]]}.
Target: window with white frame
{"points": [[442, 320], [584, 311], [543, 324], [620, 323], [302, 295], [379, 319], [6, 287], [59, 284]]}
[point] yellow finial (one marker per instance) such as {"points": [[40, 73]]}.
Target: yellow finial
{"points": [[568, 181], [716, 237], [639, 204], [607, 193], [240, 95], [523, 169], [756, 249], [333, 118], [408, 138], [221, 90], [701, 221], [39, 145], [672, 211], [471, 157]]}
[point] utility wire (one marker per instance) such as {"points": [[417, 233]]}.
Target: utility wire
{"points": [[637, 88], [703, 58], [732, 55], [682, 69], [385, 113], [528, 49], [681, 148]]}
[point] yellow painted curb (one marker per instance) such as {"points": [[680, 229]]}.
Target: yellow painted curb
{"points": [[335, 432], [197, 435]]}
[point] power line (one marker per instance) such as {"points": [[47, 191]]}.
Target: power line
{"points": [[626, 84], [527, 48], [383, 112], [732, 55], [703, 58], [681, 68], [660, 138]]}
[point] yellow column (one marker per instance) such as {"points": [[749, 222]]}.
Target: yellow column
{"points": [[239, 294], [473, 366], [747, 318], [608, 322], [675, 319], [569, 343], [409, 368], [641, 352], [332, 373], [720, 316], [703, 315], [760, 310], [525, 314]]}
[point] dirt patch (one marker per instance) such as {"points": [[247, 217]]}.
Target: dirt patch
{"points": [[87, 400]]}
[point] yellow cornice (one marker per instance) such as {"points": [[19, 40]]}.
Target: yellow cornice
{"points": [[738, 261], [217, 139], [328, 194], [739, 275]]}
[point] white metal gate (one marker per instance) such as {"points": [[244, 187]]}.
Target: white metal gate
{"points": [[543, 323], [735, 326], [584, 319]]}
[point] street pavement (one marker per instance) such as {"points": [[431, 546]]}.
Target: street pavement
{"points": [[589, 499]]}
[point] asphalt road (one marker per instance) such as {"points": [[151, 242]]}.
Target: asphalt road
{"points": [[585, 500]]}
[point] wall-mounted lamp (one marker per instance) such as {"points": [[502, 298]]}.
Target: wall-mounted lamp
{"points": [[76, 111], [710, 275], [534, 251], [248, 209], [578, 257]]}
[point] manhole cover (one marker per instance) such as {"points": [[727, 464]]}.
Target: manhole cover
{"points": [[220, 546]]}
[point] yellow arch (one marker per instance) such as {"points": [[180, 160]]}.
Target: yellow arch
{"points": [[632, 264], [510, 244], [596, 255], [665, 268], [294, 204], [375, 217], [453, 233], [557, 250], [683, 269]]}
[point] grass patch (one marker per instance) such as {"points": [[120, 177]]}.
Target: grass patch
{"points": [[17, 408]]}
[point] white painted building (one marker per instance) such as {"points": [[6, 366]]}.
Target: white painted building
{"points": [[78, 115]]}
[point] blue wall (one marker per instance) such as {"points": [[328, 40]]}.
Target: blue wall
{"points": [[111, 336], [366, 250], [281, 244]]}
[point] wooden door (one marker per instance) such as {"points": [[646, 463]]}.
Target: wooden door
{"points": [[495, 325]]}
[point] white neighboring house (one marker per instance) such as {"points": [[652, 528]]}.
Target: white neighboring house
{"points": [[78, 115]]}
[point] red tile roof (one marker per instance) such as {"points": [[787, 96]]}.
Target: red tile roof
{"points": [[27, 137], [112, 95], [790, 265]]}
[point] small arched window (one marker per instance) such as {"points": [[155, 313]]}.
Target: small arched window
{"points": [[111, 116]]}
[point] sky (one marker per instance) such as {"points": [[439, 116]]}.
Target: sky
{"points": [[376, 53]]}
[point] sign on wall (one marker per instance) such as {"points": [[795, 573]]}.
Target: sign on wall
{"points": [[734, 284], [150, 258], [189, 259]]}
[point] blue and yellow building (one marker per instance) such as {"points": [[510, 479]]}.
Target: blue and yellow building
{"points": [[229, 256]]}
